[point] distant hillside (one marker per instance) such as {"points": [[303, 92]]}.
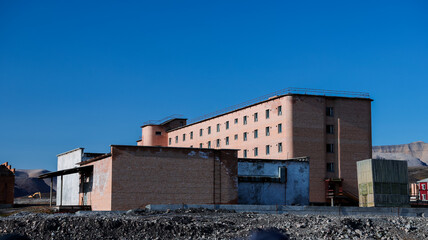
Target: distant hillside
{"points": [[416, 153], [27, 182]]}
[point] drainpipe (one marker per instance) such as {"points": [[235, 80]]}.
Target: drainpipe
{"points": [[50, 194], [338, 149]]}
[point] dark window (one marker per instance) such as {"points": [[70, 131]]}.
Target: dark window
{"points": [[267, 131], [245, 136], [256, 133], [329, 111], [227, 140], [236, 136], [200, 132], [200, 145], [279, 147], [176, 139], [191, 146], [158, 133], [218, 143], [330, 129], [209, 130], [256, 152], [209, 144], [280, 128], [330, 148], [236, 121], [279, 110], [169, 141], [245, 153], [267, 149], [256, 117], [184, 137], [227, 124], [245, 120], [218, 127], [267, 113], [330, 167], [191, 135]]}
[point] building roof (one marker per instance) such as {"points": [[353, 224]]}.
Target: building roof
{"points": [[70, 151], [298, 159], [67, 171], [423, 180]]}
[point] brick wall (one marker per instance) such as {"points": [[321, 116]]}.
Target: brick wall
{"points": [[155, 175], [7, 184]]}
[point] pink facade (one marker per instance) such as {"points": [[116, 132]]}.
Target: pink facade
{"points": [[334, 132]]}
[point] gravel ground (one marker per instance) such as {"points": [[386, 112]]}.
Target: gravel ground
{"points": [[208, 224]]}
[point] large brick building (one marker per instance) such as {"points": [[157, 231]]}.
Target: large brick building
{"points": [[332, 128]]}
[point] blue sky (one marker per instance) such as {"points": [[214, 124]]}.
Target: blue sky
{"points": [[88, 73]]}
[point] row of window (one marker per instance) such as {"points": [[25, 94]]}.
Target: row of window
{"points": [[267, 150], [245, 135]]}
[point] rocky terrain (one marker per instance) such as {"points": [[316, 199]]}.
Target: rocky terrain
{"points": [[27, 182], [208, 224], [415, 153]]}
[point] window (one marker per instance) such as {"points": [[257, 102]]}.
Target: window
{"points": [[267, 113], [218, 127], [191, 135], [209, 130], [158, 133], [279, 110], [267, 131], [256, 117], [330, 167], [236, 136], [209, 144], [256, 152], [191, 146], [184, 137], [218, 143], [329, 111], [169, 141], [424, 197], [176, 139], [236, 121], [423, 186], [256, 133], [330, 129], [227, 140], [280, 128], [267, 149], [279, 147], [245, 120], [200, 132], [200, 145], [245, 153], [330, 148], [227, 124], [245, 136]]}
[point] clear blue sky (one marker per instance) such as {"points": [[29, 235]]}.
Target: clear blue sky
{"points": [[88, 73]]}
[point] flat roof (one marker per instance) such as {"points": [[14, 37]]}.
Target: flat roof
{"points": [[67, 171], [298, 159], [70, 151]]}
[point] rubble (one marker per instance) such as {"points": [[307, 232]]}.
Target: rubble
{"points": [[208, 224]]}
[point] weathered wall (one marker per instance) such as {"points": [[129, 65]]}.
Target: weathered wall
{"points": [[7, 183], [155, 175], [100, 197], [70, 193], [294, 192]]}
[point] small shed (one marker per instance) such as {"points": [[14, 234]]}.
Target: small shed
{"points": [[383, 183]]}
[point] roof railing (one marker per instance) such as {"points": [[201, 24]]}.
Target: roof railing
{"points": [[156, 122], [291, 90]]}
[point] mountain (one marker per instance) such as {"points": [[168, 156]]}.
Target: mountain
{"points": [[415, 153], [27, 182]]}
